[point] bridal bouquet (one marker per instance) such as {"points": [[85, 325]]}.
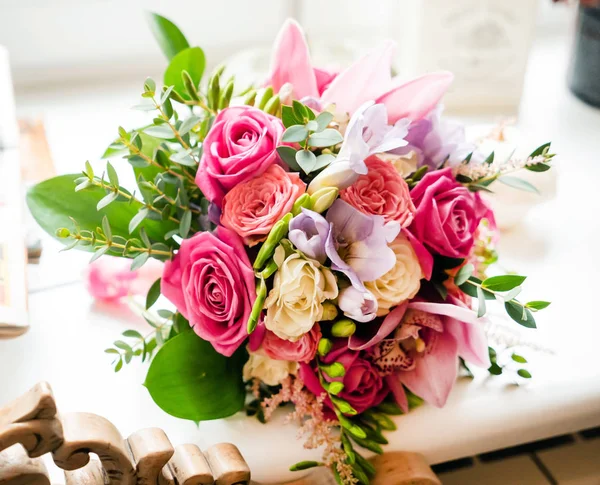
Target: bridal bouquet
{"points": [[324, 237]]}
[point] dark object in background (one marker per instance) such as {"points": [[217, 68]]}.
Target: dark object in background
{"points": [[584, 76]]}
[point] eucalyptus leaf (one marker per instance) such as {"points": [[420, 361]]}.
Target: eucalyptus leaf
{"points": [[139, 261], [503, 282], [464, 273], [188, 379], [517, 183], [296, 133], [519, 314], [323, 120], [288, 156], [191, 60], [160, 131], [325, 138], [185, 224], [537, 305], [289, 118], [188, 124], [167, 34], [481, 302], [323, 161], [307, 160]]}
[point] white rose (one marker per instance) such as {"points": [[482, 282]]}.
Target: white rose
{"points": [[299, 289], [400, 283], [268, 370]]}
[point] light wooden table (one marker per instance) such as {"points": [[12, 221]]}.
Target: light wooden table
{"points": [[556, 246]]}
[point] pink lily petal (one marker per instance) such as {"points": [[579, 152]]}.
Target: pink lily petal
{"points": [[291, 62], [416, 98], [362, 81], [371, 334], [470, 338], [324, 78], [393, 382], [452, 310], [423, 255], [435, 373]]}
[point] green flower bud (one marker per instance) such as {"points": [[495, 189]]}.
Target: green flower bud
{"points": [[63, 232], [334, 370], [278, 232], [330, 311], [225, 97], [343, 328], [250, 98], [301, 202], [268, 271], [261, 295], [324, 347], [335, 387], [323, 198], [273, 105], [188, 82], [267, 95], [343, 406]]}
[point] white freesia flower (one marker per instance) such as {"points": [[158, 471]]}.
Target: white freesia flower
{"points": [[300, 287], [400, 283], [270, 371]]}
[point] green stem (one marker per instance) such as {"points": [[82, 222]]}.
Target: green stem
{"points": [[112, 244]]}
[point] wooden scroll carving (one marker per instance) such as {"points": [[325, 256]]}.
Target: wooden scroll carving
{"points": [[91, 451]]}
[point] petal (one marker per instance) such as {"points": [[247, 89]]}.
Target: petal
{"points": [[435, 372], [416, 98], [461, 313], [393, 382], [425, 258], [369, 335], [364, 80], [291, 62]]}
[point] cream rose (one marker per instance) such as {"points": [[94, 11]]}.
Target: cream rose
{"points": [[300, 287], [269, 371], [404, 164], [400, 283]]}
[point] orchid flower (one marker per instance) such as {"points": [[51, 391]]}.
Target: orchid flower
{"points": [[367, 133], [423, 349], [369, 78]]}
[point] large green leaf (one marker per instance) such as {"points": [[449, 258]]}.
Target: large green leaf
{"points": [[188, 379], [53, 201], [167, 34], [191, 60]]}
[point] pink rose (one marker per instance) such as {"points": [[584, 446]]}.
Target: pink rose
{"points": [[363, 386], [240, 145], [110, 279], [253, 207], [382, 191], [302, 350], [211, 282], [447, 214]]}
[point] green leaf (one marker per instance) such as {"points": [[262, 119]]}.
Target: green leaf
{"points": [[185, 224], [519, 314], [160, 131], [519, 358], [481, 299], [139, 261], [323, 161], [112, 174], [188, 124], [323, 120], [167, 34], [106, 200], [306, 160], [153, 294], [326, 138], [53, 203], [524, 373], [537, 305], [288, 156], [471, 290], [295, 134], [289, 118], [538, 167], [517, 183], [464, 274], [191, 60], [188, 379], [540, 150], [503, 283], [132, 334]]}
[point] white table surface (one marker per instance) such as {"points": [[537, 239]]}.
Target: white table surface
{"points": [[557, 246]]}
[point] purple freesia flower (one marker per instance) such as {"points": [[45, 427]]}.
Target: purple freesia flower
{"points": [[358, 305], [308, 232], [357, 243], [367, 133], [436, 139]]}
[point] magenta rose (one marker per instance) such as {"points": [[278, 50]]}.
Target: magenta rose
{"points": [[363, 386], [447, 214], [240, 145], [302, 350], [211, 282]]}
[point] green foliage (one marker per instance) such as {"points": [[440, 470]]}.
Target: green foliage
{"points": [[170, 39], [54, 204], [189, 379], [188, 63], [518, 183]]}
